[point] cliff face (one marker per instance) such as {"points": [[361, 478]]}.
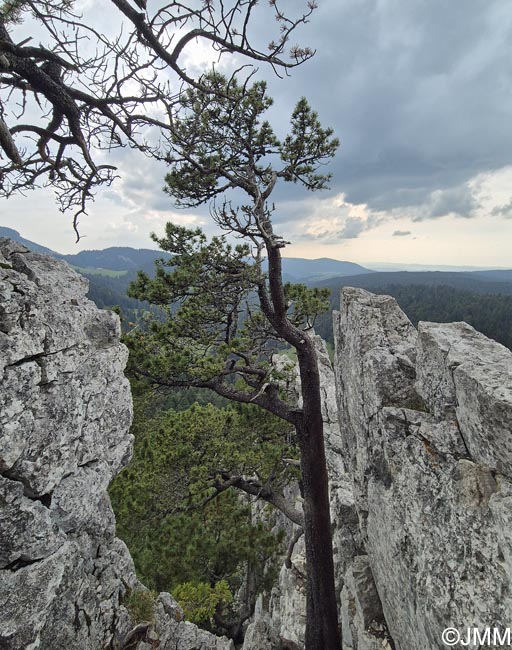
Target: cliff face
{"points": [[65, 412], [280, 617], [418, 450], [426, 422], [420, 463]]}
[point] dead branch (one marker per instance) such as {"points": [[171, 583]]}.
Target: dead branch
{"points": [[65, 102]]}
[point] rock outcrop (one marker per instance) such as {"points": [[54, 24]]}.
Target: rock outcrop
{"points": [[426, 435], [66, 581], [420, 481], [418, 431], [280, 617]]}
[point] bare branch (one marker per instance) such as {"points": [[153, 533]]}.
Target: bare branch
{"points": [[96, 92], [295, 538], [255, 488]]}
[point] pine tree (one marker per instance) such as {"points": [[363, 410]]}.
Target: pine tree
{"points": [[227, 313]]}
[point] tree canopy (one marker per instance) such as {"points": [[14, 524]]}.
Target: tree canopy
{"points": [[227, 307], [222, 329], [187, 531], [81, 92]]}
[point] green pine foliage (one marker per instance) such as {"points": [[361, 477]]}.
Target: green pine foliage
{"points": [[200, 601], [221, 141], [181, 541], [208, 314]]}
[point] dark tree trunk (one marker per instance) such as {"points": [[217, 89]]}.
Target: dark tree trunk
{"points": [[322, 632]]}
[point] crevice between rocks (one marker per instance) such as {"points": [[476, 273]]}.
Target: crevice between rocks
{"points": [[40, 355], [21, 563], [44, 499]]}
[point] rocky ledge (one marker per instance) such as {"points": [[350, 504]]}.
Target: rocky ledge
{"points": [[66, 581], [426, 422]]}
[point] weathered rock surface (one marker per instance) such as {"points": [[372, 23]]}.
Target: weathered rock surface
{"points": [[280, 617], [426, 434], [420, 464], [461, 371], [65, 412], [420, 478], [174, 633]]}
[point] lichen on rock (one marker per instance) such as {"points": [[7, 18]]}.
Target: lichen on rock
{"points": [[65, 414], [426, 426]]}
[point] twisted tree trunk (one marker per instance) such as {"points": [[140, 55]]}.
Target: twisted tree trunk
{"points": [[322, 631]]}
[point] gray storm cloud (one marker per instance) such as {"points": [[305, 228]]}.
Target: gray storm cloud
{"points": [[417, 92]]}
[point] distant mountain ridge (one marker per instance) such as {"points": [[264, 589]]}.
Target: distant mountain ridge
{"points": [[117, 258], [298, 269], [125, 258], [482, 298], [484, 282], [125, 261], [37, 248]]}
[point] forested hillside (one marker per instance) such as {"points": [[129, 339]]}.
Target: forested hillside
{"points": [[490, 313], [499, 282], [186, 532]]}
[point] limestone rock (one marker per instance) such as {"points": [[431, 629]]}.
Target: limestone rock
{"points": [[65, 412], [463, 372], [363, 625], [37, 535], [426, 434], [174, 633], [261, 635]]}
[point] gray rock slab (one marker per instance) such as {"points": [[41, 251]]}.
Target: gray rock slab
{"points": [[426, 427], [65, 413]]}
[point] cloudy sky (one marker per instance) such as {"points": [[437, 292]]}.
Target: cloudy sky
{"points": [[419, 93]]}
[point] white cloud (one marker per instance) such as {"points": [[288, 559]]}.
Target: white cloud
{"points": [[419, 94], [333, 220]]}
